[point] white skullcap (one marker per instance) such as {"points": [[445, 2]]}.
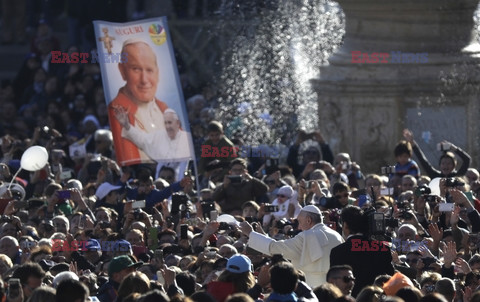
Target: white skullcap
{"points": [[312, 209]]}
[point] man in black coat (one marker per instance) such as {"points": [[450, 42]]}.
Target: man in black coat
{"points": [[368, 258]]}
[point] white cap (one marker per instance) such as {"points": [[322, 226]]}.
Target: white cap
{"points": [[104, 189], [312, 209]]}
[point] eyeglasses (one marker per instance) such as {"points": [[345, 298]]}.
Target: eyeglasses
{"points": [[346, 279], [339, 196], [411, 261], [281, 195]]}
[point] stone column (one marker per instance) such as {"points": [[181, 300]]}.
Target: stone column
{"points": [[429, 84]]}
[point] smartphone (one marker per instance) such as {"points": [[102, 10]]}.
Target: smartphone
{"points": [[153, 236], [235, 179], [13, 288], [160, 278], [207, 207], [213, 215], [386, 191], [184, 231], [270, 208], [444, 146], [64, 175], [81, 223], [64, 194], [446, 207], [138, 204]]}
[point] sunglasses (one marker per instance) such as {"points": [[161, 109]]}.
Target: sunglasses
{"points": [[270, 182], [281, 195], [346, 279], [341, 196]]}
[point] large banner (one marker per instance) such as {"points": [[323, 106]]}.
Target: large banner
{"points": [[143, 93]]}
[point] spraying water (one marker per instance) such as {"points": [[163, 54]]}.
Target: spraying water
{"points": [[266, 93]]}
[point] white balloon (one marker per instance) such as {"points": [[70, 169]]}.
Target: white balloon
{"points": [[228, 219], [434, 186], [34, 158]]}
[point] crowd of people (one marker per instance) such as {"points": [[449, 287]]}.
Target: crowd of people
{"points": [[237, 226]]}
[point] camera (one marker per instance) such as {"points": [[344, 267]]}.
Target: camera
{"points": [[452, 182], [224, 226], [207, 207], [179, 203], [404, 207], [282, 223], [388, 170], [270, 208], [422, 190], [377, 224], [327, 202]]}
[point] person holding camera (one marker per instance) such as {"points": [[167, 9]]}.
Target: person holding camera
{"points": [[312, 147], [308, 251], [447, 163], [367, 257], [284, 206], [238, 187]]}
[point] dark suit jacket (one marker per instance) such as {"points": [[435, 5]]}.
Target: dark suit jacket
{"points": [[367, 265]]}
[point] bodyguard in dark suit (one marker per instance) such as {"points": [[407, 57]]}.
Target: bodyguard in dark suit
{"points": [[368, 258]]}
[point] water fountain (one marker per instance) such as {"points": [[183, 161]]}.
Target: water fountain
{"points": [[365, 106], [266, 71], [362, 107]]}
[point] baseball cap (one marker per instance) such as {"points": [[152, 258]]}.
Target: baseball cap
{"points": [[239, 264], [104, 189], [92, 245], [312, 209], [120, 263]]}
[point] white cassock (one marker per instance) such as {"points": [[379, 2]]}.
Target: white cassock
{"points": [[309, 251], [158, 145]]}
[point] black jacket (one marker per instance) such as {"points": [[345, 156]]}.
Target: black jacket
{"points": [[367, 265]]}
